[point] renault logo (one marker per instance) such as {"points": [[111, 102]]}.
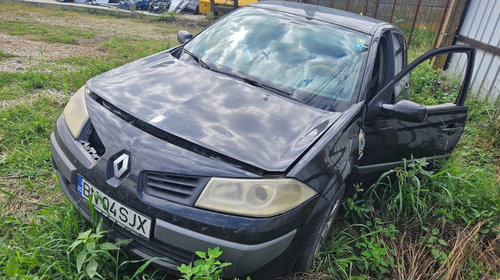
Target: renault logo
{"points": [[120, 165]]}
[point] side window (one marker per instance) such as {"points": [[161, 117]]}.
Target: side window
{"points": [[401, 87], [379, 73], [399, 52], [428, 85]]}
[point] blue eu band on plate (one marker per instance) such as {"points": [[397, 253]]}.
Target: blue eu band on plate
{"points": [[115, 211]]}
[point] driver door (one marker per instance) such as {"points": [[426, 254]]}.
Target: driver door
{"points": [[397, 128]]}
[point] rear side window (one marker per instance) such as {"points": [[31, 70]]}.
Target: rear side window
{"points": [[399, 59], [401, 87]]}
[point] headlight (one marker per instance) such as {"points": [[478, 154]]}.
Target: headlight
{"points": [[75, 113], [254, 197]]}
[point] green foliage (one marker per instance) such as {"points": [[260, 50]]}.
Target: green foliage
{"points": [[421, 210], [421, 41], [360, 250], [405, 196], [36, 225], [205, 268], [5, 55], [210, 17], [40, 245], [410, 199], [169, 17], [431, 86], [435, 244], [45, 33], [128, 48], [411, 207], [24, 131], [91, 250]]}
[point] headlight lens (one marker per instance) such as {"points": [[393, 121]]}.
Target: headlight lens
{"points": [[75, 113], [254, 197]]}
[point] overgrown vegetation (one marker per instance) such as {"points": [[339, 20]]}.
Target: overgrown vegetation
{"points": [[207, 267], [421, 222], [45, 33], [414, 223], [41, 235], [5, 55]]}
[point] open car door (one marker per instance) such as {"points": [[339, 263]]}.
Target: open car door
{"points": [[397, 129]]}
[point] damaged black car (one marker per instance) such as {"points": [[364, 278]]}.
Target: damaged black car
{"points": [[247, 135]]}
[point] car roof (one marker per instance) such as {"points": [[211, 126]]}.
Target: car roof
{"points": [[343, 18]]}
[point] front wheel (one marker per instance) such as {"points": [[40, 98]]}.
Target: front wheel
{"points": [[318, 238]]}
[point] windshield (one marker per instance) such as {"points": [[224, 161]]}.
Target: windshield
{"points": [[316, 63]]}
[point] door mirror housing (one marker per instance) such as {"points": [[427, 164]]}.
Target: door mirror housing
{"points": [[183, 36], [405, 110]]}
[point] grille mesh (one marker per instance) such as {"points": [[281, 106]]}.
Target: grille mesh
{"points": [[175, 188]]}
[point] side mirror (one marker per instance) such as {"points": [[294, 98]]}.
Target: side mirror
{"points": [[405, 110], [184, 36]]}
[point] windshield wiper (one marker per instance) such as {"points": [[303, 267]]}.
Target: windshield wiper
{"points": [[254, 83], [267, 87], [197, 59]]}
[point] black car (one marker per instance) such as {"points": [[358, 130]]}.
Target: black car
{"points": [[247, 135]]}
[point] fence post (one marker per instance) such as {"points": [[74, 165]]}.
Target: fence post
{"points": [[441, 23], [392, 11], [413, 22], [450, 28]]}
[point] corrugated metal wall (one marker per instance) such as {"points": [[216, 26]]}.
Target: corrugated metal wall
{"points": [[482, 24]]}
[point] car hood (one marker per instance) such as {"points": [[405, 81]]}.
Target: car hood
{"points": [[211, 110]]}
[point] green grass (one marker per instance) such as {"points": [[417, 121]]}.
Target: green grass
{"points": [[441, 222], [408, 223], [30, 80], [37, 225], [45, 33], [25, 130], [421, 41], [5, 55], [38, 247], [130, 48], [53, 76]]}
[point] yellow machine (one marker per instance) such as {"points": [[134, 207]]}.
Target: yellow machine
{"points": [[205, 4]]}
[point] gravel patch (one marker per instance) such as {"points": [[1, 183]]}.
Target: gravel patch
{"points": [[33, 53], [114, 26], [58, 96], [18, 201]]}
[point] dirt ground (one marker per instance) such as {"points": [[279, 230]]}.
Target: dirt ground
{"points": [[25, 53], [30, 53]]}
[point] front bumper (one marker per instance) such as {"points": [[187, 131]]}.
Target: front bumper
{"points": [[178, 230]]}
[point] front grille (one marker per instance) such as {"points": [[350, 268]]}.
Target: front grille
{"points": [[175, 188]]}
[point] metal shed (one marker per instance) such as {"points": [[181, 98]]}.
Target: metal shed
{"points": [[480, 27]]}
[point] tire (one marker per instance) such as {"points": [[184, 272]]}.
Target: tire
{"points": [[320, 230]]}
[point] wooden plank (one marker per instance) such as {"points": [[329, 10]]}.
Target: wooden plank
{"points": [[450, 28], [478, 44]]}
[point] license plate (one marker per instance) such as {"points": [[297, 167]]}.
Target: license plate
{"points": [[114, 210]]}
